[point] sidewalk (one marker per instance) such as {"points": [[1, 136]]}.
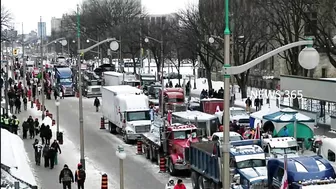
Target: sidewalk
{"points": [[48, 178]]}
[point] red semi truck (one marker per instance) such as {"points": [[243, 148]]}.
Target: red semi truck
{"points": [[174, 99]]}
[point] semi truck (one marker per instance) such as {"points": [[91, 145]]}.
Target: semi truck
{"points": [[64, 78], [174, 99], [247, 160], [172, 139], [112, 78], [127, 111], [91, 84], [305, 172]]}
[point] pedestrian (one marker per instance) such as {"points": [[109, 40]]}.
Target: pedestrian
{"points": [[51, 154], [16, 124], [17, 105], [55, 93], [57, 148], [25, 102], [25, 128], [37, 148], [80, 176], [30, 122], [257, 103], [66, 177], [179, 184], [42, 132], [36, 126], [11, 104], [96, 104], [46, 155], [48, 134], [248, 104]]}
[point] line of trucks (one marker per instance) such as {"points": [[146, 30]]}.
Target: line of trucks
{"points": [[191, 142]]}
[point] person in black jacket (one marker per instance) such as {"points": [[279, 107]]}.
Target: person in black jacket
{"points": [[57, 148], [80, 176], [96, 104], [30, 122], [37, 148], [45, 153], [25, 102], [36, 126], [17, 105], [25, 128], [42, 132], [66, 177], [48, 134]]}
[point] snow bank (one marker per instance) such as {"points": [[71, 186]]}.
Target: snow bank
{"points": [[7, 181], [14, 157]]}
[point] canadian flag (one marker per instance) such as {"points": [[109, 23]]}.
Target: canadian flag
{"points": [[284, 182], [169, 117], [217, 109], [189, 141], [257, 132]]}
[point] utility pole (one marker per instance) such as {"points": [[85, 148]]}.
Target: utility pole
{"points": [[6, 83], [41, 69], [24, 63], [141, 50], [81, 120]]}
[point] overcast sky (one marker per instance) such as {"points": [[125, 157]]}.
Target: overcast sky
{"points": [[29, 11]]}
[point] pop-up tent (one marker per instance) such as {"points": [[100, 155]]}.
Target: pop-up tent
{"points": [[257, 117], [287, 117]]}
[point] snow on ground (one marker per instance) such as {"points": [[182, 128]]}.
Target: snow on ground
{"points": [[14, 156], [7, 181], [70, 155]]}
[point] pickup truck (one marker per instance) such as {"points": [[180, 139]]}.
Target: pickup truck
{"points": [[247, 159]]}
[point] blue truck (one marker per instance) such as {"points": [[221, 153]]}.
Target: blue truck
{"points": [[247, 162], [305, 172], [65, 79]]}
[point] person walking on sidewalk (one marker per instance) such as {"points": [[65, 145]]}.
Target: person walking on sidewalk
{"points": [[37, 148], [42, 132], [25, 128], [66, 177], [80, 176], [25, 102], [96, 104], [57, 148], [51, 154], [30, 122], [17, 105], [46, 155], [36, 127], [48, 134], [248, 104]]}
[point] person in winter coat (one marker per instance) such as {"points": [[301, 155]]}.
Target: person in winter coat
{"points": [[179, 184], [25, 102], [248, 104], [66, 177], [37, 148], [257, 103], [36, 126], [51, 154], [45, 153], [11, 105], [96, 104], [25, 128], [57, 148], [17, 105], [30, 122], [48, 134], [80, 176], [42, 132]]}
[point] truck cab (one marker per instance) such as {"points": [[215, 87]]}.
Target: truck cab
{"points": [[91, 84], [173, 99], [248, 162], [64, 78], [278, 147], [208, 124], [146, 80], [305, 172], [327, 149]]}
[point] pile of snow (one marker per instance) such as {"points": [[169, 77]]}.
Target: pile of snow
{"points": [[14, 157], [7, 181]]}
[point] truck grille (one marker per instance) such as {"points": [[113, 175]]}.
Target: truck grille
{"points": [[179, 107], [68, 90], [244, 120], [95, 90], [142, 129]]}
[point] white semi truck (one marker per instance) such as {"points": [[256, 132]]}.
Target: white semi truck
{"points": [[112, 78], [127, 111]]}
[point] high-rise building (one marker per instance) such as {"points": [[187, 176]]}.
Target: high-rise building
{"points": [[56, 24], [42, 29]]}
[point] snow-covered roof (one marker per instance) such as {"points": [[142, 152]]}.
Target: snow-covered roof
{"points": [[190, 115], [264, 111], [287, 115], [14, 156]]}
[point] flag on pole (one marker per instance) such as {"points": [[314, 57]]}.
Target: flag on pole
{"points": [[284, 182], [189, 140], [257, 132]]}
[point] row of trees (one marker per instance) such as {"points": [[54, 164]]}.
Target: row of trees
{"points": [[6, 18], [257, 26]]}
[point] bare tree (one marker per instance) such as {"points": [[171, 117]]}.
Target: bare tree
{"points": [[6, 18]]}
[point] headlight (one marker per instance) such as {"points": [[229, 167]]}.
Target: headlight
{"points": [[130, 132]]}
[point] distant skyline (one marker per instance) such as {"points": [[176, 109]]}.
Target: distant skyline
{"points": [[29, 11]]}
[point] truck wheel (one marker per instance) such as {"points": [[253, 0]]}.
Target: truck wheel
{"points": [[125, 138], [201, 182], [194, 180], [146, 152], [171, 167]]}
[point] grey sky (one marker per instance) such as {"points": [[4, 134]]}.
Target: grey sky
{"points": [[29, 11]]}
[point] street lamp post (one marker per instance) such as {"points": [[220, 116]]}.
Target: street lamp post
{"points": [[162, 65], [100, 53], [308, 59], [57, 103], [121, 154]]}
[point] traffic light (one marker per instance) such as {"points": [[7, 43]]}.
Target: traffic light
{"points": [[15, 52]]}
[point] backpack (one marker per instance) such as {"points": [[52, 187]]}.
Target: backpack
{"points": [[81, 174], [66, 175]]}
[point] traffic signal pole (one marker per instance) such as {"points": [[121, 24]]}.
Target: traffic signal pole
{"points": [[42, 71]]}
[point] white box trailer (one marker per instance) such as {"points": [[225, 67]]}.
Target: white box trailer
{"points": [[127, 111], [112, 78]]}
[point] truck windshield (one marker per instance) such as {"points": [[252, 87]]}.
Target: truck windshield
{"points": [[181, 135], [137, 116], [237, 112], [290, 150], [251, 163], [66, 80], [175, 100]]}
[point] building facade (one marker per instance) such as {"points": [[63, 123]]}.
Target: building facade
{"points": [[56, 24], [42, 29]]}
